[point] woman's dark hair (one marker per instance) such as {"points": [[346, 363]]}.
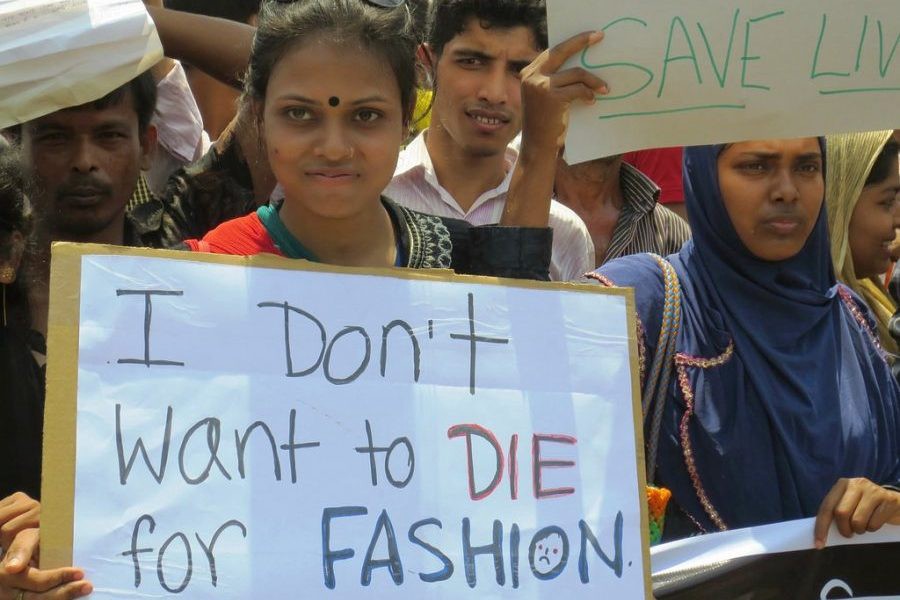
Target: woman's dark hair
{"points": [[885, 165], [15, 216], [386, 32], [449, 18]]}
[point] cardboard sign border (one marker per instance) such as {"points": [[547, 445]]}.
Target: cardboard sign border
{"points": [[58, 478]]}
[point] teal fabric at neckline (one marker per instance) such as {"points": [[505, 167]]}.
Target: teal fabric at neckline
{"points": [[286, 242], [291, 246]]}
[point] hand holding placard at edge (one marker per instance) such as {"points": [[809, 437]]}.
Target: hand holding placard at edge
{"points": [[547, 94], [20, 542], [17, 513], [856, 506]]}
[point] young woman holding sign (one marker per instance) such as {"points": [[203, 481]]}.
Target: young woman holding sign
{"points": [[781, 404], [332, 83]]}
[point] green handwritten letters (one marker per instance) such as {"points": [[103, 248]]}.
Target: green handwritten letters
{"points": [[697, 71]]}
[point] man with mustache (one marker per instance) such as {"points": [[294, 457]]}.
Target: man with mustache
{"points": [[85, 162], [461, 166]]}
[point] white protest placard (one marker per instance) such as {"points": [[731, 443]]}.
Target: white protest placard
{"points": [[698, 72], [247, 428], [55, 54]]}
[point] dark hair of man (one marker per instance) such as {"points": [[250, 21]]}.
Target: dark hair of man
{"points": [[419, 10], [885, 164], [143, 92], [449, 18], [15, 216], [385, 32], [233, 10]]}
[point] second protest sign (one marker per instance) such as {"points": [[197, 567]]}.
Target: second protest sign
{"points": [[699, 72]]}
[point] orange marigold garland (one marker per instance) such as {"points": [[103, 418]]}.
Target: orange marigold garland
{"points": [[657, 501]]}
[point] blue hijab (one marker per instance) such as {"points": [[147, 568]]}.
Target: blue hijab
{"points": [[803, 396]]}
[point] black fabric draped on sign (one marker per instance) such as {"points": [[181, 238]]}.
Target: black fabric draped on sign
{"points": [[866, 570]]}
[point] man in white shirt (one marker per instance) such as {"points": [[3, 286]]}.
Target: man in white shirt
{"points": [[461, 166]]}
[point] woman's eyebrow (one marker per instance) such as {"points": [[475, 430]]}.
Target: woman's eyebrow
{"points": [[776, 155], [764, 155], [369, 99], [299, 98]]}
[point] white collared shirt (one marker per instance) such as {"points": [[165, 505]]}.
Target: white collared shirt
{"points": [[415, 185]]}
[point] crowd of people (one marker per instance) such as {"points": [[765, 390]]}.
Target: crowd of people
{"points": [[430, 135]]}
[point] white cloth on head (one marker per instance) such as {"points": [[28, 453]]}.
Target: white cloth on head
{"points": [[64, 53]]}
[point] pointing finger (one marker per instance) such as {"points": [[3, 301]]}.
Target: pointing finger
{"points": [[563, 51], [826, 512]]}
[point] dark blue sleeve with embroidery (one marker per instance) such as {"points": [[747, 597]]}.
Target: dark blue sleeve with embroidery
{"points": [[643, 273]]}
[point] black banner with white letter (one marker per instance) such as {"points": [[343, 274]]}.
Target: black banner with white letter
{"points": [[776, 562]]}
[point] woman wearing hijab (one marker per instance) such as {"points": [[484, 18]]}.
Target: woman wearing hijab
{"points": [[780, 403], [861, 188]]}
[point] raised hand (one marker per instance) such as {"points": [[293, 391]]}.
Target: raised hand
{"points": [[856, 506]]}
